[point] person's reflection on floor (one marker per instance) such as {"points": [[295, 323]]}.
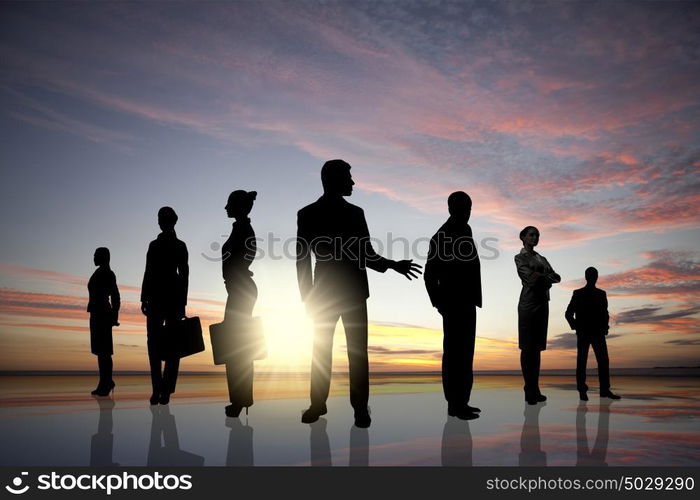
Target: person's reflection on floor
{"points": [[596, 456], [167, 451], [359, 447], [530, 446], [102, 442], [240, 444], [457, 443], [320, 444]]}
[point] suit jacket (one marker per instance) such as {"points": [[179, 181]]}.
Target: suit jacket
{"points": [[103, 292], [166, 277], [535, 291], [587, 312], [238, 252], [336, 232], [453, 271]]}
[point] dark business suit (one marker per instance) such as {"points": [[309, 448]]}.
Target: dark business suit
{"points": [[335, 231], [164, 291], [587, 313], [453, 280]]}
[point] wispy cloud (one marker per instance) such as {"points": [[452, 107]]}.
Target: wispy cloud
{"points": [[505, 102]]}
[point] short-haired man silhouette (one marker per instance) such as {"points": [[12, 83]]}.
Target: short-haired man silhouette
{"points": [[587, 313], [336, 232], [453, 280]]}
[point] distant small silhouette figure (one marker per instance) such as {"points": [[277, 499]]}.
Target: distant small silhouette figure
{"points": [[163, 301], [587, 313], [103, 306], [453, 280], [537, 276], [336, 232], [102, 442], [531, 453], [237, 255], [595, 457]]}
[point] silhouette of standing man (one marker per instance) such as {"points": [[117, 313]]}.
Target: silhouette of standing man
{"points": [[163, 301], [453, 280], [337, 234], [587, 313]]}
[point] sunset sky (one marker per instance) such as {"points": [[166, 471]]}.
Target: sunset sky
{"points": [[581, 118]]}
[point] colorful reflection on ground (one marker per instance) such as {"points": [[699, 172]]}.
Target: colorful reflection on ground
{"points": [[52, 420]]}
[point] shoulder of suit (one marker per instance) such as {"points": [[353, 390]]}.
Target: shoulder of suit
{"points": [[307, 209], [352, 207]]}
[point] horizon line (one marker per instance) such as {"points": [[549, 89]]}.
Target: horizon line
{"points": [[550, 372]]}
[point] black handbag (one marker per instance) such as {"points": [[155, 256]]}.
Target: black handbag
{"points": [[242, 340], [184, 338]]}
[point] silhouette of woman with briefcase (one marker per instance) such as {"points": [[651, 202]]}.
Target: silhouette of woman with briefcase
{"points": [[238, 340]]}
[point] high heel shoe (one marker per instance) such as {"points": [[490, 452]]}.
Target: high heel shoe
{"points": [[105, 390], [164, 398], [234, 410], [154, 399]]}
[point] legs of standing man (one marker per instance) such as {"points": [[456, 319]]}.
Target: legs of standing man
{"points": [[355, 325], [600, 348], [459, 328], [104, 363], [582, 344], [321, 363]]}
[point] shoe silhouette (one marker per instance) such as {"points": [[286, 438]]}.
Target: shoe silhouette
{"points": [[233, 410], [312, 414], [104, 391], [362, 418], [463, 413]]}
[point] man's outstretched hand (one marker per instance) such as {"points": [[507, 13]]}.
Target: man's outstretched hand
{"points": [[408, 268]]}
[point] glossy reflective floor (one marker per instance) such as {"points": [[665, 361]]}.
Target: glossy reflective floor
{"points": [[53, 421]]}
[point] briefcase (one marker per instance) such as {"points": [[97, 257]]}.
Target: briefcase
{"points": [[184, 338], [243, 340]]}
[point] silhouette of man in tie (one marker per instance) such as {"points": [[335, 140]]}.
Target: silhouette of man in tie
{"points": [[587, 313], [453, 280], [163, 301], [336, 232]]}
